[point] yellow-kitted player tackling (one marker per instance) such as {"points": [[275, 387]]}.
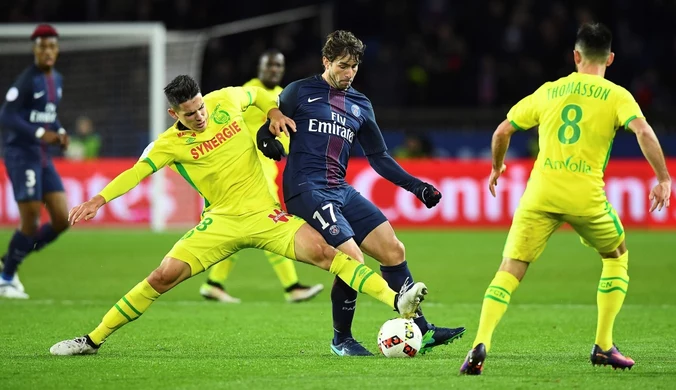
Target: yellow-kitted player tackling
{"points": [[270, 73], [577, 117], [210, 147]]}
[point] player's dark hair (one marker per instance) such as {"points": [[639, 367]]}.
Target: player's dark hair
{"points": [[181, 89], [594, 40], [341, 43]]}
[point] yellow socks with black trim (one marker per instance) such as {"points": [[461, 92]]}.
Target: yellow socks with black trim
{"points": [[127, 309], [220, 271], [495, 304], [362, 279], [284, 268], [610, 297]]}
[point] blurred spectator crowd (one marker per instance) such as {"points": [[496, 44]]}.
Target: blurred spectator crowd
{"points": [[485, 53], [422, 54]]}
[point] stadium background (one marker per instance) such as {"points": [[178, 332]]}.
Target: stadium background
{"points": [[440, 74], [441, 70]]}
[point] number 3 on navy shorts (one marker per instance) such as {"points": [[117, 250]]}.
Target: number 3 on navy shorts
{"points": [[330, 214], [30, 178]]}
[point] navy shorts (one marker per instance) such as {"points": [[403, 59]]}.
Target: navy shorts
{"points": [[338, 214], [31, 180]]}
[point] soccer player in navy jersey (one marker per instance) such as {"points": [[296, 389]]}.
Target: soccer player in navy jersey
{"points": [[29, 124], [330, 115]]}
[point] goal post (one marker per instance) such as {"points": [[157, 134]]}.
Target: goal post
{"points": [[89, 37], [115, 74]]}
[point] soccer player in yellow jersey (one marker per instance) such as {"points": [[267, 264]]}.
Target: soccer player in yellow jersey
{"points": [[577, 116], [210, 147], [270, 73]]}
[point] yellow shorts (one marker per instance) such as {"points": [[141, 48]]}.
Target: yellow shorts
{"points": [[531, 230], [217, 236]]}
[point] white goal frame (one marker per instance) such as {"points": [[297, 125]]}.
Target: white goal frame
{"points": [[133, 34], [190, 44]]}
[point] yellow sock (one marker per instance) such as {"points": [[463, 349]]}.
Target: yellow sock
{"points": [[127, 309], [284, 268], [610, 296], [495, 304], [220, 271], [362, 278]]}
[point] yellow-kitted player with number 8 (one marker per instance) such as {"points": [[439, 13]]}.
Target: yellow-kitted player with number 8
{"points": [[577, 116]]}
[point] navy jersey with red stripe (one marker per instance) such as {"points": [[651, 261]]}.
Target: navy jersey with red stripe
{"points": [[30, 103], [328, 122]]}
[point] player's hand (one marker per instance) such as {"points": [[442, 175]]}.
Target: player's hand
{"points": [[493, 180], [272, 148], [51, 137], [86, 210], [659, 196], [280, 123], [429, 195], [64, 140]]}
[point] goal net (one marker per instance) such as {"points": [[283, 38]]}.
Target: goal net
{"points": [[114, 74]]}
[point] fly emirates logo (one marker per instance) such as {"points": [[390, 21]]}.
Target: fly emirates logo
{"points": [[219, 139], [337, 127], [48, 116]]}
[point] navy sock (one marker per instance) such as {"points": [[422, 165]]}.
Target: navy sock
{"points": [[396, 276], [344, 303], [19, 247], [46, 234]]}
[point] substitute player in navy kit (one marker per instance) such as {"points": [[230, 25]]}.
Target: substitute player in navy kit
{"points": [[330, 115], [29, 124]]}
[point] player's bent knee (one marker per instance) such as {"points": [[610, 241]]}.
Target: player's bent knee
{"points": [[321, 255], [328, 254], [619, 251], [394, 253], [29, 228], [30, 217], [318, 254], [398, 252], [170, 273], [60, 226]]}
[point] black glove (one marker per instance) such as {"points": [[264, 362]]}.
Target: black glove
{"points": [[272, 149], [427, 194], [269, 145]]}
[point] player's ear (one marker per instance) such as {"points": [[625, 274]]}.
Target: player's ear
{"points": [[172, 113], [326, 62], [577, 56], [610, 59]]}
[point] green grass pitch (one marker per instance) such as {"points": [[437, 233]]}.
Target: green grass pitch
{"points": [[184, 342]]}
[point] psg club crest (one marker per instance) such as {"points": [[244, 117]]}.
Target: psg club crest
{"points": [[334, 230], [355, 110]]}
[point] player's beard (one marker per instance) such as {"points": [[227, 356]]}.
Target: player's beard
{"points": [[336, 82]]}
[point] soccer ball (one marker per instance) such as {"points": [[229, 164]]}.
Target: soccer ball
{"points": [[399, 338]]}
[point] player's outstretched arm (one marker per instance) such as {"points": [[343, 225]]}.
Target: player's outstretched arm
{"points": [[389, 169], [119, 186], [372, 142], [499, 146], [650, 146]]}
